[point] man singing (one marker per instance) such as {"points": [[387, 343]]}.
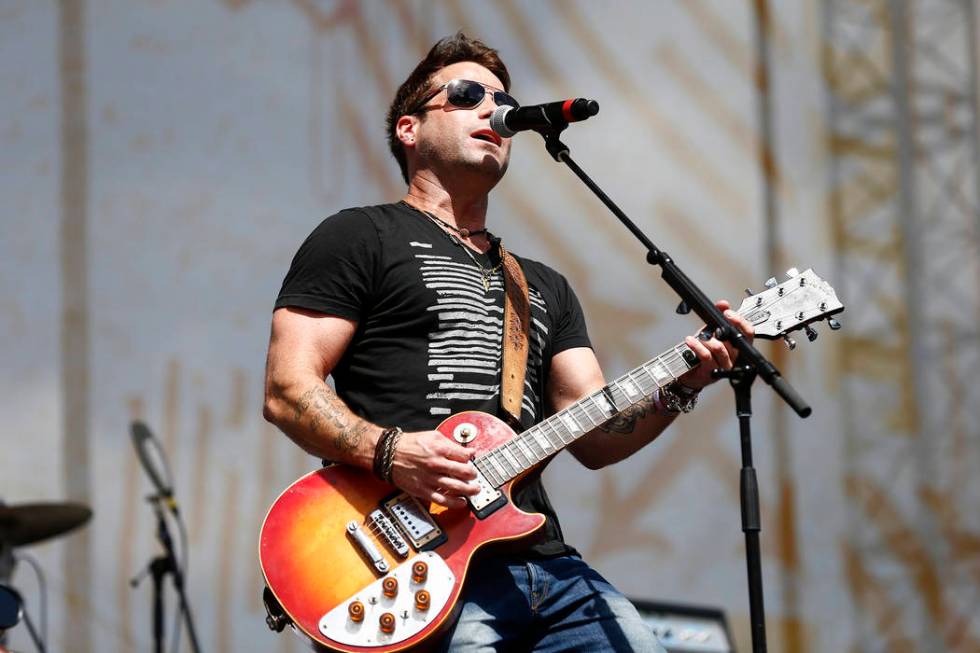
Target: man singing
{"points": [[403, 304]]}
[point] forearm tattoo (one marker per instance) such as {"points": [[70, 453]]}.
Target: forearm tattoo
{"points": [[326, 410], [626, 421]]}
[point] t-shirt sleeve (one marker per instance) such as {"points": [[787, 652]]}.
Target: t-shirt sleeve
{"points": [[570, 328], [335, 268]]}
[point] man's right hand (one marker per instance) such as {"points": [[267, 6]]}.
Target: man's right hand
{"points": [[432, 467]]}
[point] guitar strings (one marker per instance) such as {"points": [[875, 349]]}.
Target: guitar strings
{"points": [[498, 461], [495, 459]]}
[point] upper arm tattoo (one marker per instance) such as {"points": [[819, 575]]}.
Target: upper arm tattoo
{"points": [[326, 409]]}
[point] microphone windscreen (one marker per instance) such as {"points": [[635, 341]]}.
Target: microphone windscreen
{"points": [[497, 121], [139, 432], [147, 448]]}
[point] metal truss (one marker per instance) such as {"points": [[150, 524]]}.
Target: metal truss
{"points": [[903, 145]]}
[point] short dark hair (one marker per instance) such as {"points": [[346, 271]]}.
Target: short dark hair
{"points": [[445, 52]]}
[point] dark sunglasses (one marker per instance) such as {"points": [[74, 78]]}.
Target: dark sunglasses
{"points": [[466, 94]]}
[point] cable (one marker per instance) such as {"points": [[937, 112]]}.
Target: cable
{"points": [[42, 585], [183, 563]]}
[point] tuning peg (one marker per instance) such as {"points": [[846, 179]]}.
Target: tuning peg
{"points": [[811, 333], [834, 324], [789, 342], [748, 292], [792, 272], [683, 308], [771, 282]]}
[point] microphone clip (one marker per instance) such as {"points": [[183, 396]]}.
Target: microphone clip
{"points": [[163, 500], [553, 144]]}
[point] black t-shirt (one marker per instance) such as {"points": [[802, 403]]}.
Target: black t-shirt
{"points": [[428, 337]]}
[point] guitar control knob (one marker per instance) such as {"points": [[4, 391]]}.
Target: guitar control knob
{"points": [[387, 623], [356, 611], [422, 600], [420, 571], [389, 587]]}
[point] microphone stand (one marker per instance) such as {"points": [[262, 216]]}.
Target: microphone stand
{"points": [[751, 364], [158, 569]]}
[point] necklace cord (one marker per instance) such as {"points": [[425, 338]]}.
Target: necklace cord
{"points": [[462, 231], [485, 273]]}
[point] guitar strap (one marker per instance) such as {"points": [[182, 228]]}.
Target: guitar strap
{"points": [[517, 324]]}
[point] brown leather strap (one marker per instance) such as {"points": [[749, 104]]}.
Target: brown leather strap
{"points": [[517, 323]]}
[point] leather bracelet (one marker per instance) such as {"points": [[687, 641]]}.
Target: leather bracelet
{"points": [[384, 452], [389, 456], [678, 398]]}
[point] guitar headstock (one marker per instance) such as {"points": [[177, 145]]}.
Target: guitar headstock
{"points": [[802, 299]]}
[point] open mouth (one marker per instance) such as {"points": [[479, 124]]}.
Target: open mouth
{"points": [[488, 136]]}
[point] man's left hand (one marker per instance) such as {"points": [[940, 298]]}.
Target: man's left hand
{"points": [[714, 353]]}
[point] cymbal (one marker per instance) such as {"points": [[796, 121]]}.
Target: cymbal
{"points": [[32, 522]]}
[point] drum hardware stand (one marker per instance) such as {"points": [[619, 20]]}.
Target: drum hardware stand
{"points": [[741, 378], [158, 569], [8, 560], [35, 636]]}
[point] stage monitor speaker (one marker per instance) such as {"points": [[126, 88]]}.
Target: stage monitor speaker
{"points": [[687, 628]]}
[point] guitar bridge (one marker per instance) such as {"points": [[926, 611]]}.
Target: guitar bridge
{"points": [[387, 530]]}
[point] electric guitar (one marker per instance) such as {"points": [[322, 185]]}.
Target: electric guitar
{"points": [[356, 564]]}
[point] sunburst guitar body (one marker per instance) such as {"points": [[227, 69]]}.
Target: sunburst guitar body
{"points": [[358, 565]]}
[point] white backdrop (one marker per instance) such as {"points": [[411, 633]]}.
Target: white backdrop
{"points": [[218, 135]]}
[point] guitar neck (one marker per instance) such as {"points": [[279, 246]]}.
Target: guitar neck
{"points": [[553, 434]]}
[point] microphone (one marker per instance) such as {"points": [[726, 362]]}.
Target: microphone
{"points": [[507, 120], [153, 462]]}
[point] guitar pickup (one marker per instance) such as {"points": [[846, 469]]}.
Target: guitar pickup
{"points": [[488, 501], [415, 522]]}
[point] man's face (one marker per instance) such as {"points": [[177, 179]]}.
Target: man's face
{"points": [[458, 141]]}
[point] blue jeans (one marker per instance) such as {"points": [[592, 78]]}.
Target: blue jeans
{"points": [[551, 605]]}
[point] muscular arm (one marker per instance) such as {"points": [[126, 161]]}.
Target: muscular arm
{"points": [[575, 373], [304, 348]]}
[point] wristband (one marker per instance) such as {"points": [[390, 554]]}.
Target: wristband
{"points": [[384, 453], [677, 398]]}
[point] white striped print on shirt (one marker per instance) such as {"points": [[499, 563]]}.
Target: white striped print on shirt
{"points": [[464, 350]]}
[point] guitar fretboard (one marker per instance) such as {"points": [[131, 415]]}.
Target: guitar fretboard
{"points": [[546, 438]]}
